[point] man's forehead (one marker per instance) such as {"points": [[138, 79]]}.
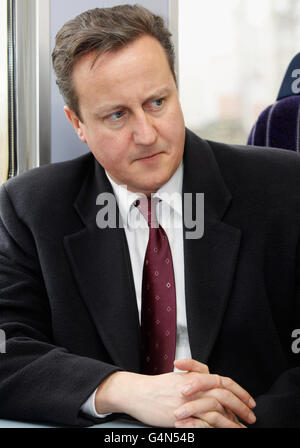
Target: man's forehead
{"points": [[131, 74], [145, 47]]}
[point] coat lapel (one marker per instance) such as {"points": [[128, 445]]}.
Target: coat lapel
{"points": [[209, 261], [101, 265], [100, 262]]}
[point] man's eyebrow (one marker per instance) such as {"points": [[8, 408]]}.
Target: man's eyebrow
{"points": [[106, 108], [158, 93]]}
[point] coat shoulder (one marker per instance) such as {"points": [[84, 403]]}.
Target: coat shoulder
{"points": [[50, 181], [261, 167]]}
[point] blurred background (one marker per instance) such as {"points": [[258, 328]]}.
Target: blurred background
{"points": [[232, 57]]}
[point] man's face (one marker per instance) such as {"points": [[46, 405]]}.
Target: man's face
{"points": [[132, 119]]}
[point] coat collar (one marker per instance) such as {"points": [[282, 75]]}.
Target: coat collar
{"points": [[101, 263]]}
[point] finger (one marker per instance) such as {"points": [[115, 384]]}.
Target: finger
{"points": [[236, 389], [197, 407], [209, 410], [229, 414], [231, 402], [191, 365], [216, 400], [212, 421], [216, 420], [205, 382], [192, 423]]}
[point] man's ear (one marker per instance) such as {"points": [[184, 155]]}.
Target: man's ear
{"points": [[75, 122]]}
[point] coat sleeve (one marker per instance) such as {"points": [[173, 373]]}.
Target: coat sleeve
{"points": [[279, 407], [39, 381]]}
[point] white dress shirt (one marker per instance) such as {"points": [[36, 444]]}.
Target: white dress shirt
{"points": [[169, 216]]}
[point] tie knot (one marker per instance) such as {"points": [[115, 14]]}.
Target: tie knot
{"points": [[147, 207]]}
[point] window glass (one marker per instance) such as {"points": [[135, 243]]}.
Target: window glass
{"points": [[233, 55]]}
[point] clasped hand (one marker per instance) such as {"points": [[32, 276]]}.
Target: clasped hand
{"points": [[192, 398], [212, 400]]}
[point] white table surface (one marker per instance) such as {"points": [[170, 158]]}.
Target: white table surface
{"points": [[112, 424]]}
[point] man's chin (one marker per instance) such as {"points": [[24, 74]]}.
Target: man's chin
{"points": [[146, 188]]}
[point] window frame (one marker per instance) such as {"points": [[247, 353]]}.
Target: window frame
{"points": [[4, 146]]}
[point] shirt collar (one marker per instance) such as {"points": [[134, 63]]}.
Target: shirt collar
{"points": [[126, 198], [171, 192]]}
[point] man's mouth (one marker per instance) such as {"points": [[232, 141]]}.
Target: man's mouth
{"points": [[150, 158]]}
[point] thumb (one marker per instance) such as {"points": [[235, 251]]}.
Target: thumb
{"points": [[191, 365]]}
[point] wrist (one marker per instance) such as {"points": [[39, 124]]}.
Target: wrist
{"points": [[112, 396]]}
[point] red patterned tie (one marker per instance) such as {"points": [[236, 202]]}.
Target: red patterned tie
{"points": [[158, 317]]}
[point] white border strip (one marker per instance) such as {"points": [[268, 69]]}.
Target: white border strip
{"points": [[173, 27]]}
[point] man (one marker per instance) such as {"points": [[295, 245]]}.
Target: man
{"points": [[73, 294]]}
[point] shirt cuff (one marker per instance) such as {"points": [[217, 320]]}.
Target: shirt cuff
{"points": [[89, 407]]}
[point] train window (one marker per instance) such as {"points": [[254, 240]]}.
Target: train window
{"points": [[24, 86], [232, 58], [4, 147]]}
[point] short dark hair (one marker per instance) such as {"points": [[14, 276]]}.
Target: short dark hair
{"points": [[104, 30]]}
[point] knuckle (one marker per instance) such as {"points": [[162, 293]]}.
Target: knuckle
{"points": [[192, 379], [195, 375], [227, 382], [205, 424], [226, 394], [213, 418], [198, 379], [193, 423], [205, 368], [218, 380], [245, 410], [215, 405], [221, 395], [188, 409]]}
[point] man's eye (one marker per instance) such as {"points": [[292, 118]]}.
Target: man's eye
{"points": [[157, 103], [116, 115]]}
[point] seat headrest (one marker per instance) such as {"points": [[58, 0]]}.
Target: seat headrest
{"points": [[278, 125], [291, 82]]}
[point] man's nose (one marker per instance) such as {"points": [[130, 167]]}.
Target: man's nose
{"points": [[144, 132]]}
